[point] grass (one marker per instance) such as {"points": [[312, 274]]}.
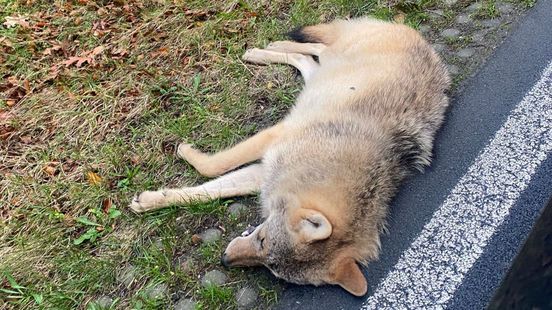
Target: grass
{"points": [[79, 136]]}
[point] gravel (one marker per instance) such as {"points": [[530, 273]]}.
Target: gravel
{"points": [[214, 277]]}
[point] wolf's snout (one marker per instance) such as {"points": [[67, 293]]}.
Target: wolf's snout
{"points": [[224, 260]]}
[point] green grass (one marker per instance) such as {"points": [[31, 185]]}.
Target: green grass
{"points": [[77, 142]]}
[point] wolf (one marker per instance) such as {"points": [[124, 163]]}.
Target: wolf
{"points": [[374, 97]]}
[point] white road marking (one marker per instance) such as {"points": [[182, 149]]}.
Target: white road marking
{"points": [[429, 272]]}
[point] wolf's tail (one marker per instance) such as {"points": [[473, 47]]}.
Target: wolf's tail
{"points": [[322, 33]]}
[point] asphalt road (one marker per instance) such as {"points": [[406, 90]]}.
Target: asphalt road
{"points": [[511, 182]]}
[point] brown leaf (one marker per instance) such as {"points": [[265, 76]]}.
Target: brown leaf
{"points": [[10, 102], [106, 205], [26, 139], [49, 50], [71, 61], [51, 171], [93, 178], [135, 159], [97, 50], [196, 239], [4, 115], [6, 42], [12, 21], [163, 51], [27, 86]]}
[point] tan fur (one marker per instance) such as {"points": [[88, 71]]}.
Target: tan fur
{"points": [[364, 120]]}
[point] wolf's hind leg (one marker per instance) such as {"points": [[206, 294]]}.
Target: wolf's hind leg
{"points": [[241, 182], [244, 152], [295, 47], [304, 63]]}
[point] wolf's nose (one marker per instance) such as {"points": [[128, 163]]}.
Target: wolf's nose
{"points": [[224, 260]]}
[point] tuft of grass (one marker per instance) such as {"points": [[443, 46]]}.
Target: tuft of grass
{"points": [[487, 10], [216, 297]]}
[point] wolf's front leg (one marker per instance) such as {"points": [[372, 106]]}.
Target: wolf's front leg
{"points": [[241, 182], [251, 149]]}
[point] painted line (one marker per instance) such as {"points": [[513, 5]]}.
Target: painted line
{"points": [[429, 272]]}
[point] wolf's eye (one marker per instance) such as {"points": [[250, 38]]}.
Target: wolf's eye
{"points": [[262, 242]]}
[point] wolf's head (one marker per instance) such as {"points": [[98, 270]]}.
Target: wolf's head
{"points": [[300, 244]]}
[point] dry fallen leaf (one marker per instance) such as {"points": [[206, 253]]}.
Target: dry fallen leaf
{"points": [[10, 102], [106, 205], [49, 170], [12, 21], [93, 178], [49, 50], [196, 239], [26, 139]]}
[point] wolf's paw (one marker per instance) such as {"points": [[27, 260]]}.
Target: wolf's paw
{"points": [[255, 55], [148, 200], [184, 150]]}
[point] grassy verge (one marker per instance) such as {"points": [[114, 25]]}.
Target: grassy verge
{"points": [[95, 96]]}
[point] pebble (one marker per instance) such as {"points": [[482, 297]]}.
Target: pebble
{"points": [[465, 52], [453, 69], [104, 302], [237, 209], [185, 304], [246, 298], [157, 291], [424, 28], [491, 23], [127, 275], [211, 235], [450, 33], [436, 14], [451, 2], [505, 8], [474, 7], [214, 277], [479, 36], [463, 19], [438, 47]]}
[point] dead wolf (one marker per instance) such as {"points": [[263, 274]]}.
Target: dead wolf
{"points": [[373, 99]]}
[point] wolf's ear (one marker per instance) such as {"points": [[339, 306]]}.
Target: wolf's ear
{"points": [[312, 225], [348, 275]]}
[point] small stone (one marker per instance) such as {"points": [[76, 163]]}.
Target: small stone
{"points": [[214, 277], [463, 19], [424, 28], [505, 8], [476, 6], [237, 208], [185, 304], [211, 235], [438, 47], [157, 291], [465, 52], [453, 69], [104, 302], [436, 14], [479, 36], [246, 298], [450, 33], [450, 2], [127, 275], [491, 23]]}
